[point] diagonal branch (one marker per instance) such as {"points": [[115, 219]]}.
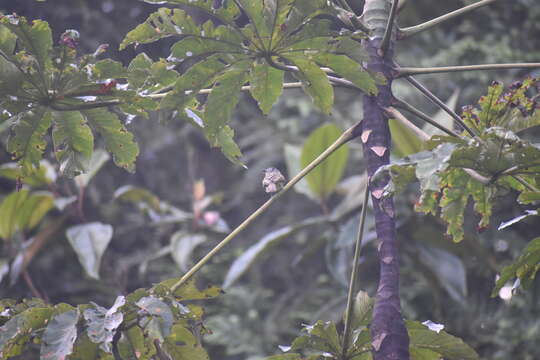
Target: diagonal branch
{"points": [[440, 103], [385, 42], [347, 136], [412, 30], [395, 114], [407, 71], [405, 106]]}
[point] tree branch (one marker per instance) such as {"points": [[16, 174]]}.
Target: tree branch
{"points": [[395, 114], [385, 43], [412, 30], [349, 310], [347, 136], [405, 106], [407, 71], [440, 103]]}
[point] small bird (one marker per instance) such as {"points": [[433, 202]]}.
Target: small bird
{"points": [[273, 180]]}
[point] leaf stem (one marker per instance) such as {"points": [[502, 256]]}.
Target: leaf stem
{"points": [[347, 136], [349, 310], [385, 43], [412, 30], [405, 106], [395, 114], [440, 103], [407, 71]]}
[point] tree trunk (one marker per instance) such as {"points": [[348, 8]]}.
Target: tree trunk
{"points": [[389, 335]]}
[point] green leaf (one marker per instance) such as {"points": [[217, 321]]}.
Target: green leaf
{"points": [[59, 336], [320, 337], [98, 159], [223, 98], [9, 210], [266, 85], [324, 178], [35, 207], [189, 290], [315, 82], [73, 141], [350, 70], [108, 69], [8, 40], [15, 333], [224, 139], [405, 140], [41, 177], [11, 78], [118, 140], [162, 316], [102, 323], [524, 268], [27, 141], [137, 195], [90, 242], [529, 197], [134, 346], [447, 346], [254, 11], [195, 46], [182, 344], [292, 155]]}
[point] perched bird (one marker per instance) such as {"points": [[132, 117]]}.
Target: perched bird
{"points": [[273, 180]]}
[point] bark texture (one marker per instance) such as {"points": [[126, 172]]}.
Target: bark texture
{"points": [[389, 335]]}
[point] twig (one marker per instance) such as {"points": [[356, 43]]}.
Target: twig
{"points": [[405, 106], [407, 71], [385, 43], [347, 136], [349, 310], [409, 31], [31, 285], [440, 103]]}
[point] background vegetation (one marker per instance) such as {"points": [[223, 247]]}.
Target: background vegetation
{"points": [[303, 278]]}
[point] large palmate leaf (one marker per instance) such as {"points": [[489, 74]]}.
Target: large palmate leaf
{"points": [[454, 171], [225, 54], [50, 86]]}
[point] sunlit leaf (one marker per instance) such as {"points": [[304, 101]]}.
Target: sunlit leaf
{"points": [[59, 336], [89, 241]]}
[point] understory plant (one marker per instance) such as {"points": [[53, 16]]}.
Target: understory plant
{"points": [[49, 91]]}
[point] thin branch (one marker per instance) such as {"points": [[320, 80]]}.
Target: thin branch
{"points": [[405, 106], [407, 71], [523, 182], [395, 114], [440, 103], [409, 31], [349, 310], [347, 136], [290, 85], [385, 43]]}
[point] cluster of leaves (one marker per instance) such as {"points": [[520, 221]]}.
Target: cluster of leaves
{"points": [[142, 325], [453, 170], [44, 86], [224, 54], [322, 340]]}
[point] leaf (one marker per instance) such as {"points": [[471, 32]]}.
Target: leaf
{"points": [[448, 269], [266, 85], [189, 290], [320, 337], [9, 210], [524, 268], [27, 141], [182, 246], [16, 332], [315, 82], [225, 140], [103, 323], [444, 344], [405, 140], [137, 195], [248, 258], [89, 242], [59, 336], [118, 140], [292, 158], [350, 70], [182, 344], [73, 141], [223, 98], [34, 208], [40, 177], [11, 78], [98, 159], [162, 315], [363, 309], [324, 178], [134, 346], [108, 69]]}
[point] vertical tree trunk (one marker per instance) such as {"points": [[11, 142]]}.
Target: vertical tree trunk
{"points": [[389, 335]]}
